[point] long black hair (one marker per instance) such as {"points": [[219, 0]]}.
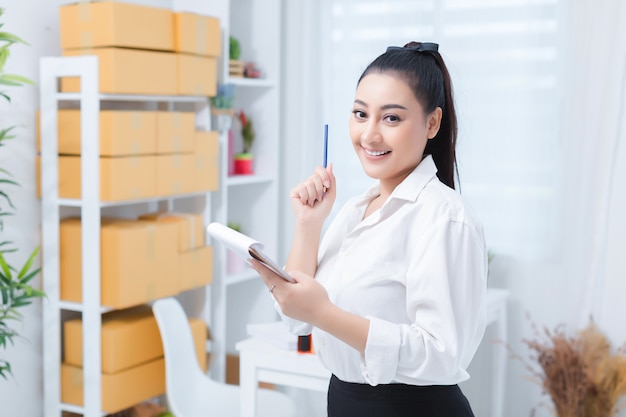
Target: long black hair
{"points": [[421, 66]]}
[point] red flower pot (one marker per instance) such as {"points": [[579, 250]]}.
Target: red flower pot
{"points": [[243, 164]]}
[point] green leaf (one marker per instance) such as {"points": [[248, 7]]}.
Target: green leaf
{"points": [[4, 266], [7, 198], [28, 264], [18, 79], [5, 95], [4, 171], [11, 38], [20, 303], [24, 280], [6, 79], [4, 132], [5, 181]]}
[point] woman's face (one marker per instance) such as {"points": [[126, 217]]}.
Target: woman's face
{"points": [[389, 129]]}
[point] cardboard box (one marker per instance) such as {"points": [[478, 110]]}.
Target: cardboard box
{"points": [[129, 71], [197, 75], [121, 178], [191, 231], [108, 23], [131, 386], [196, 268], [120, 390], [122, 133], [197, 34], [174, 174], [175, 132], [139, 261], [206, 177], [129, 338]]}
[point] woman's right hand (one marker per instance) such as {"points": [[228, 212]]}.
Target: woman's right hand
{"points": [[313, 199]]}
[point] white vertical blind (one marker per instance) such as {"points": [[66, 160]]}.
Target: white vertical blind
{"points": [[502, 56]]}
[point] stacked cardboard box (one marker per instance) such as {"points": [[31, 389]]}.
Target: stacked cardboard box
{"points": [[158, 255], [133, 369], [195, 259], [172, 53], [142, 154]]}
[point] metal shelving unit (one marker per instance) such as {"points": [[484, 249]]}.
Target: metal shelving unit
{"points": [[90, 206]]}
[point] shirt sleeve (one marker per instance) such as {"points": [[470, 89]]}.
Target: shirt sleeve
{"points": [[297, 327], [445, 302]]}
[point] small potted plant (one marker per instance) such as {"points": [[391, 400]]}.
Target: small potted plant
{"points": [[222, 106], [244, 159], [235, 66], [222, 113]]}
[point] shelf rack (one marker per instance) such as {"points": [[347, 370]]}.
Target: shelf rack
{"points": [[87, 69]]}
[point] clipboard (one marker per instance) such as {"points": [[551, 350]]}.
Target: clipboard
{"points": [[245, 247]]}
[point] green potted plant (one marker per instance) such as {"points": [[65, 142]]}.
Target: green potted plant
{"points": [[235, 66], [15, 289], [245, 159]]}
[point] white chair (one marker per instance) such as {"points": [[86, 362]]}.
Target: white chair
{"points": [[190, 392]]}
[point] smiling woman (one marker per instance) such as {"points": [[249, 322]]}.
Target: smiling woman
{"points": [[394, 294]]}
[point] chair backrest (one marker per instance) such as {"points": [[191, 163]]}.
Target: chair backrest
{"points": [[183, 376]]}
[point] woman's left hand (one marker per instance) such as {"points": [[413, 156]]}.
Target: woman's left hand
{"points": [[305, 300]]}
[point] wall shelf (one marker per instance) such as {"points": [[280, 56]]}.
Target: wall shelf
{"points": [[251, 82], [235, 180], [249, 200]]}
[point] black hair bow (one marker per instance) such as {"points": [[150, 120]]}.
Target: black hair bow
{"points": [[420, 47]]}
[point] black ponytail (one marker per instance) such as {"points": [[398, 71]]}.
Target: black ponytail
{"points": [[421, 66]]}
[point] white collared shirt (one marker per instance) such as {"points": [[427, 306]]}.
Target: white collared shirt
{"points": [[417, 269]]}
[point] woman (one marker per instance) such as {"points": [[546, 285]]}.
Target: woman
{"points": [[397, 302]]}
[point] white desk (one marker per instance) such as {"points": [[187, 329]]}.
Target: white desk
{"points": [[261, 361]]}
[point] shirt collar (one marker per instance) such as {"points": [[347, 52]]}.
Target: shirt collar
{"points": [[410, 187]]}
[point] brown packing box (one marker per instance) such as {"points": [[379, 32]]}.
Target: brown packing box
{"points": [[191, 233], [121, 178], [196, 268], [129, 71], [197, 34], [139, 261], [108, 23], [121, 133], [197, 75], [126, 388], [120, 390], [129, 338], [207, 161], [174, 174], [175, 132]]}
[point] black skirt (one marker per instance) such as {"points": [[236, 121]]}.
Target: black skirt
{"points": [[346, 399]]}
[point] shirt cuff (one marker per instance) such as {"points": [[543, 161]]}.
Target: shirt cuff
{"points": [[380, 362], [297, 327]]}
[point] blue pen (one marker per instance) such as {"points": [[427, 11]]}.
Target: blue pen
{"points": [[325, 146], [325, 149]]}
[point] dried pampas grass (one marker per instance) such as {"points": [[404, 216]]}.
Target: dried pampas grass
{"points": [[582, 374]]}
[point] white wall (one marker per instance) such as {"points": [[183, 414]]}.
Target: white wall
{"points": [[37, 23]]}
